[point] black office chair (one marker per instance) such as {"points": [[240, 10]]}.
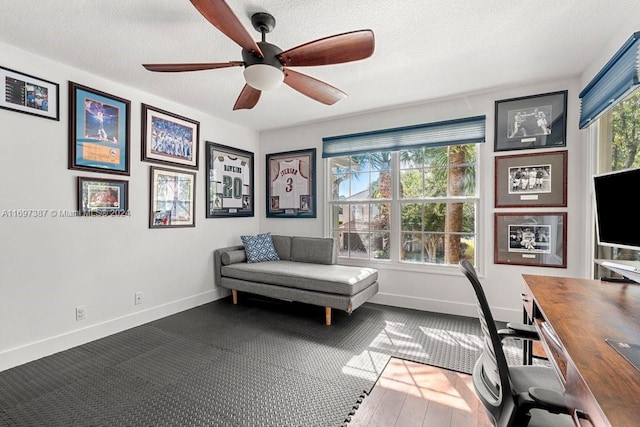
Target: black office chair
{"points": [[513, 395]]}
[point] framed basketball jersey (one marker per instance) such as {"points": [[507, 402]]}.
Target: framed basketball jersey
{"points": [[291, 184], [229, 181]]}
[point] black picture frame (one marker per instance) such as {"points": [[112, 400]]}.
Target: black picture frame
{"points": [[229, 186], [291, 184], [102, 197], [533, 239], [169, 138], [99, 131], [531, 122], [531, 180], [29, 94], [172, 198]]}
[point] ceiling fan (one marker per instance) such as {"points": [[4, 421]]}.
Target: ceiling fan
{"points": [[267, 66]]}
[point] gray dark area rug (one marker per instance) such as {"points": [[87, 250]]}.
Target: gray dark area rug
{"points": [[259, 363]]}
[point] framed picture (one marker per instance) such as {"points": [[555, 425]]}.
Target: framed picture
{"points": [[102, 197], [531, 180], [229, 182], [172, 199], [531, 239], [30, 95], [291, 184], [169, 139], [538, 121], [98, 131]]}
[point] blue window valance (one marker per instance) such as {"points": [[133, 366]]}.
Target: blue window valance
{"points": [[618, 77], [467, 130]]}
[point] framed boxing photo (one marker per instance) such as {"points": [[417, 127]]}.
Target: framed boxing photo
{"points": [[229, 187], [291, 184], [538, 240], [531, 122]]}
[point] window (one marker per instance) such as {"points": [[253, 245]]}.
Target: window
{"points": [[414, 205], [438, 204], [360, 204], [612, 100], [619, 148]]}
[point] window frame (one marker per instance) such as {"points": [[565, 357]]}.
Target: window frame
{"points": [[602, 136], [395, 227]]}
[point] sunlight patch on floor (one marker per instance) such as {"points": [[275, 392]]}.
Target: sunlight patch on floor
{"points": [[368, 365], [467, 341], [425, 382]]}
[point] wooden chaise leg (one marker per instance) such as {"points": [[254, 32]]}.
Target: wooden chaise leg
{"points": [[234, 294], [327, 315]]}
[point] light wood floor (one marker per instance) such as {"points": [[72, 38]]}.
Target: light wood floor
{"points": [[412, 394]]}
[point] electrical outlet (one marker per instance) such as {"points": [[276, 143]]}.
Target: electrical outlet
{"points": [[138, 298], [81, 312]]}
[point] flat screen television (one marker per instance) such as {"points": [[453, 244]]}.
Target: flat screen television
{"points": [[617, 215]]}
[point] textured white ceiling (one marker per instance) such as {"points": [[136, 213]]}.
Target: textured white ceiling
{"points": [[425, 49]]}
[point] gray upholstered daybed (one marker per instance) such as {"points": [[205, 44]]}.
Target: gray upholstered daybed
{"points": [[305, 272]]}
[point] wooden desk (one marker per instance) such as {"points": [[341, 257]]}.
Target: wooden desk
{"points": [[583, 313]]}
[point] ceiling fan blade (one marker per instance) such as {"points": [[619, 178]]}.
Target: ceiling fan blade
{"points": [[313, 88], [248, 98], [222, 17], [175, 68], [336, 49]]}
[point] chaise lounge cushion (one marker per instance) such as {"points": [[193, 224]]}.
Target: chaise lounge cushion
{"points": [[336, 279], [283, 246], [313, 250]]}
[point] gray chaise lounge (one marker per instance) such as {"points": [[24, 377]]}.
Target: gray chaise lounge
{"points": [[306, 272]]}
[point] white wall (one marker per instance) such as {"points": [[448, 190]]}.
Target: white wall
{"points": [[48, 266], [444, 289]]}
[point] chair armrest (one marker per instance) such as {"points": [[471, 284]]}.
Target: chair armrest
{"points": [[522, 327], [519, 330], [550, 400]]}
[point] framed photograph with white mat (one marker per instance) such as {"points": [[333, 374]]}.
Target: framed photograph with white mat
{"points": [[531, 180], [172, 198]]}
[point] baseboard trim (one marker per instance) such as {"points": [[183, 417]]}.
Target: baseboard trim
{"points": [[447, 307], [26, 353]]}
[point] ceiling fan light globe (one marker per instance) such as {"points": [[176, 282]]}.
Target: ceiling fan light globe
{"points": [[263, 76]]}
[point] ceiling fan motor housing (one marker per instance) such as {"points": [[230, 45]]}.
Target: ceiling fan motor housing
{"points": [[263, 73], [270, 51]]}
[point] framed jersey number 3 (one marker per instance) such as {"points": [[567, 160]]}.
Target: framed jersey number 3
{"points": [[291, 184], [229, 182]]}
